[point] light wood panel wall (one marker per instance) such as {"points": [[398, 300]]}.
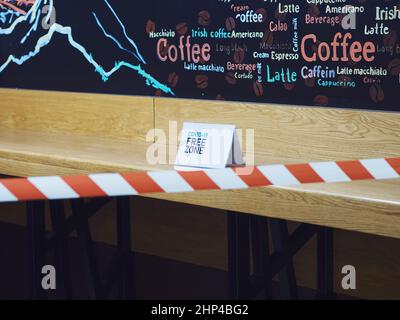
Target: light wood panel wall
{"points": [[281, 132], [293, 132], [107, 116]]}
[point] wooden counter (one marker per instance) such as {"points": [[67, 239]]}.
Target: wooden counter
{"points": [[61, 133]]}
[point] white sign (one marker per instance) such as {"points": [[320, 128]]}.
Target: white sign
{"points": [[208, 146]]}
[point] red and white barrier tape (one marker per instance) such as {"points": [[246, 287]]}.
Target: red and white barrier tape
{"points": [[123, 184]]}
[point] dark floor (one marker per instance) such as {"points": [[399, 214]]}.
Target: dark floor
{"points": [[156, 278]]}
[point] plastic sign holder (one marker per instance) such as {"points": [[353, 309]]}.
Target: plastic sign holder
{"points": [[208, 146]]}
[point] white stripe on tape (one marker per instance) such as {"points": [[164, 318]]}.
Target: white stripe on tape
{"points": [[278, 175], [53, 187], [170, 181], [6, 195], [379, 168], [113, 184], [226, 179], [329, 171]]}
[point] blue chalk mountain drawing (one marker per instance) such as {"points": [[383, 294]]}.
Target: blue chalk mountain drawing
{"points": [[27, 27]]}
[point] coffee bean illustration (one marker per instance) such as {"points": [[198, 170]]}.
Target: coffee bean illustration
{"points": [[164, 50], [150, 26], [158, 93], [182, 28], [376, 93], [390, 39], [230, 24], [317, 45], [230, 78], [258, 89], [201, 60], [288, 86], [238, 56], [394, 67], [280, 15], [310, 82], [313, 10], [173, 79], [201, 81], [263, 12], [204, 18], [268, 38], [219, 97], [321, 100]]}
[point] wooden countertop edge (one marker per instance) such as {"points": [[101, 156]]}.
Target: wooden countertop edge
{"points": [[384, 213]]}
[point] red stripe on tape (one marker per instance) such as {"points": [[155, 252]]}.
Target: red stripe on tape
{"points": [[142, 182], [84, 186], [23, 189], [252, 176], [304, 173], [198, 180], [394, 163], [354, 170]]}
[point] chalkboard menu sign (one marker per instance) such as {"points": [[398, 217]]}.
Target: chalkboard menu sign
{"points": [[340, 53]]}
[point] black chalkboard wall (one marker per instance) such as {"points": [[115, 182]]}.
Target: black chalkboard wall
{"points": [[341, 53]]}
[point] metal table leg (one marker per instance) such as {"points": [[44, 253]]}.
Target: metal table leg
{"points": [[90, 266], [325, 287], [238, 255], [64, 281], [126, 283], [35, 217], [287, 276], [261, 254]]}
